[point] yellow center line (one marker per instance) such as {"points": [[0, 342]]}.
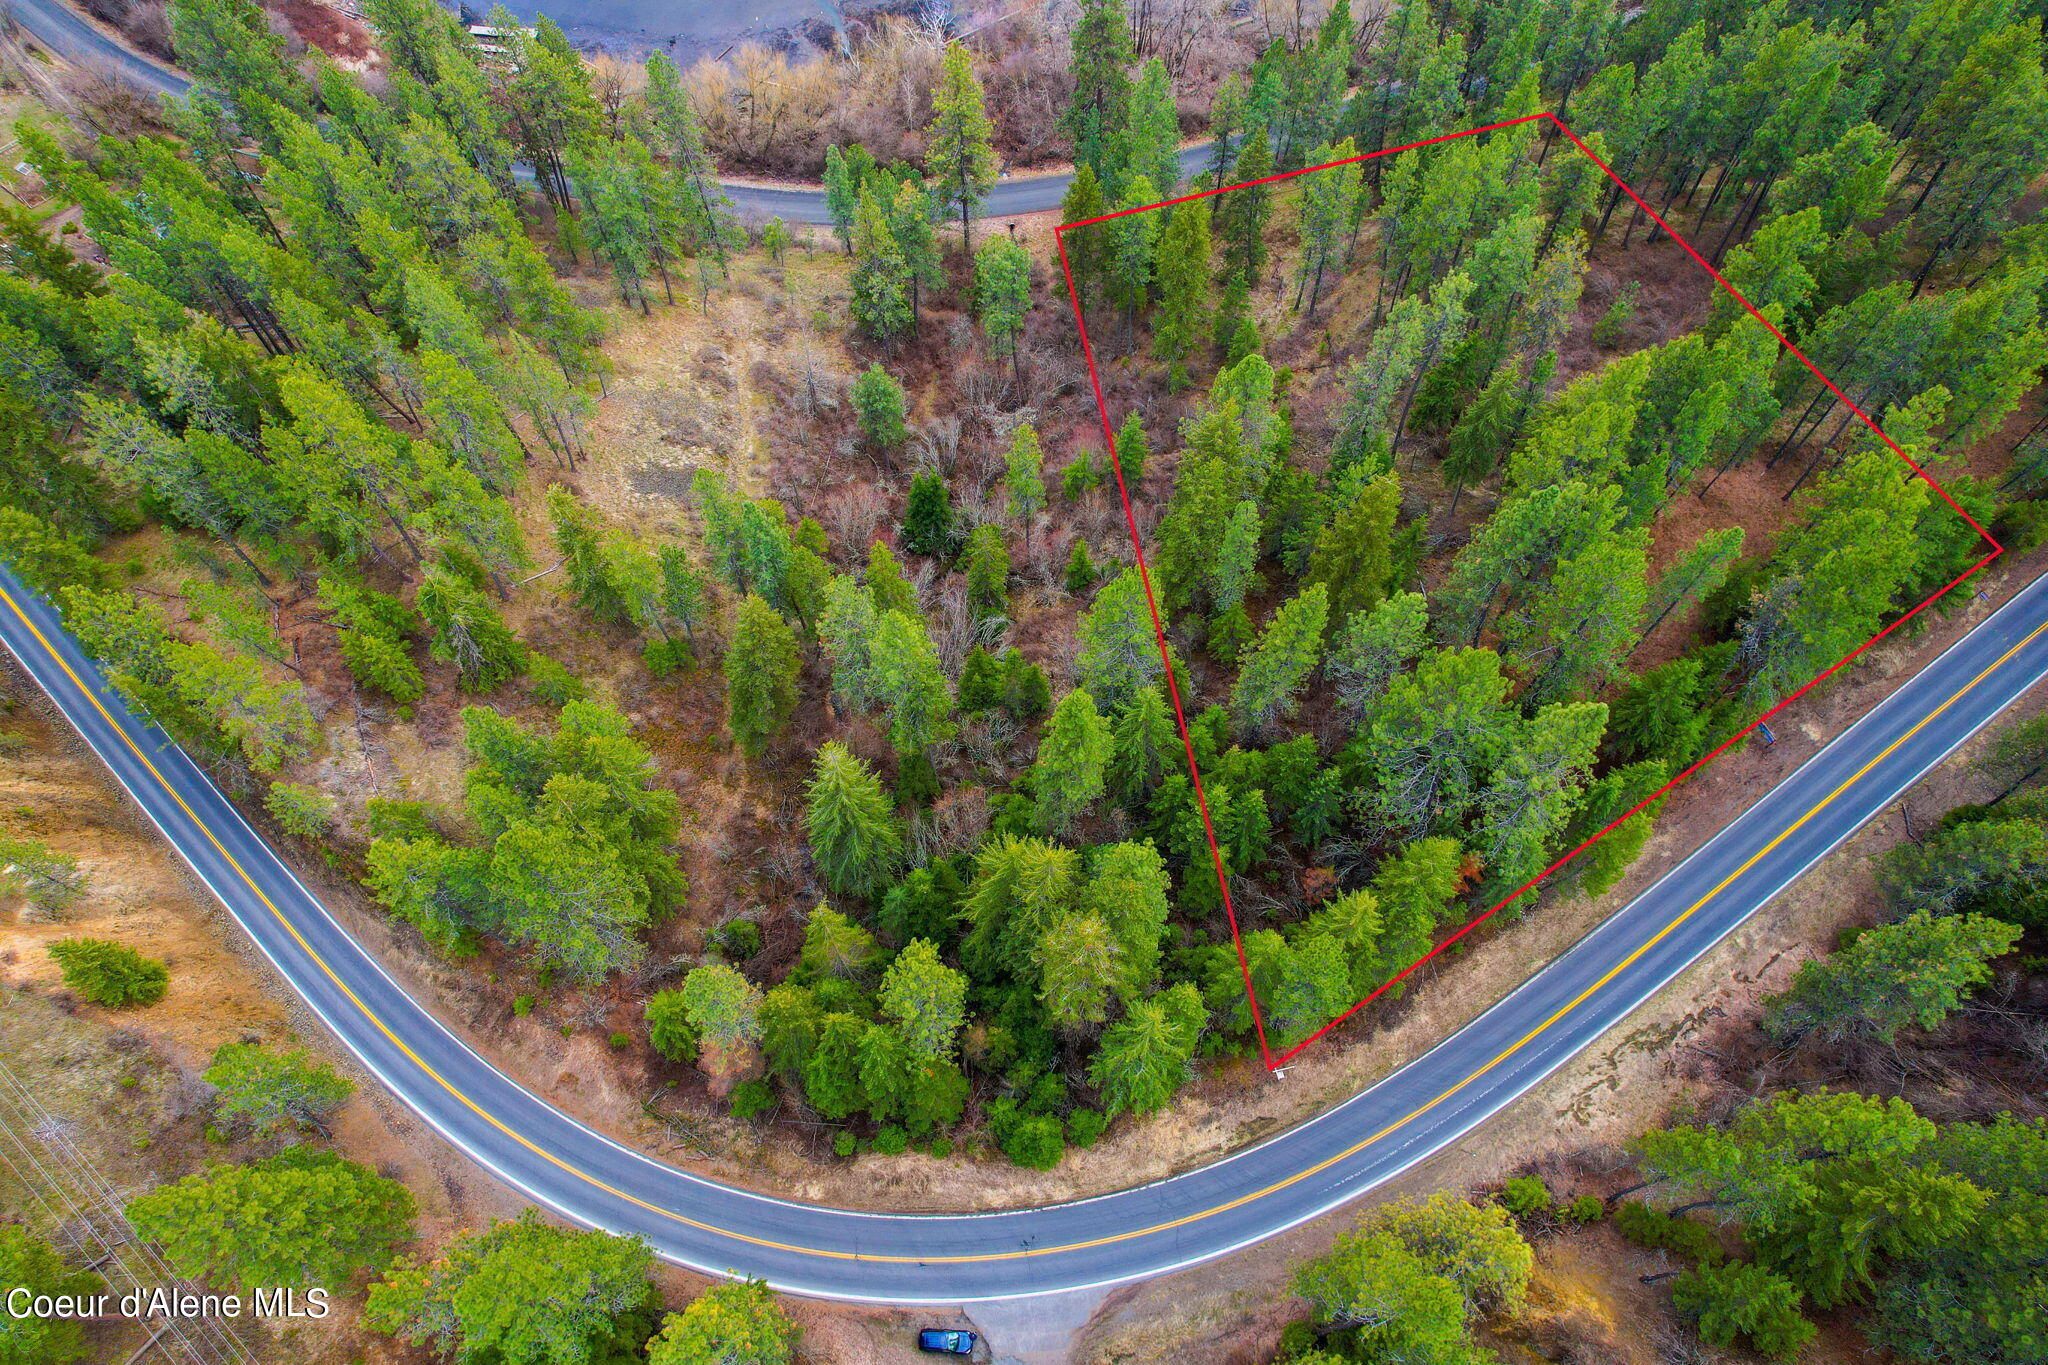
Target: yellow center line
{"points": [[1134, 1233]]}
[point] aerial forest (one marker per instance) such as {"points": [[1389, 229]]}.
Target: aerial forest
{"points": [[1422, 450]]}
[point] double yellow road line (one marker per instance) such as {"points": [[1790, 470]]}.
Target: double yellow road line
{"points": [[568, 1168]]}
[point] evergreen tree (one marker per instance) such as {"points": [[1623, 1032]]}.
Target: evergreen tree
{"points": [[1132, 451], [1068, 776], [524, 1292], [1352, 560], [1149, 142], [761, 667], [879, 405], [1432, 738], [274, 1090], [853, 834], [1149, 1054], [1242, 214], [1371, 647], [728, 1324], [1287, 652], [29, 1262], [468, 631], [928, 516], [1329, 205], [1002, 293], [958, 153], [910, 684], [1912, 974], [298, 1217], [1182, 263], [881, 293], [1101, 67], [1119, 650], [988, 580], [1024, 478]]}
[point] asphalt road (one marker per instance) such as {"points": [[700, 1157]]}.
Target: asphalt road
{"points": [[61, 29], [1132, 1234]]}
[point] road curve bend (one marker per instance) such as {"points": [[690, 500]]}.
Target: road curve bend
{"points": [[61, 29], [1132, 1234]]}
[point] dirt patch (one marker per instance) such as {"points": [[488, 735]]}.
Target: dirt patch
{"points": [[341, 36]]}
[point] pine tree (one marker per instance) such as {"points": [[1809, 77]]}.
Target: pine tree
{"points": [[1372, 646], [1287, 652], [468, 632], [881, 294], [853, 834], [887, 585], [1695, 575], [1329, 205], [1237, 556], [1530, 795], [1024, 478], [1149, 1054], [1352, 558], [1911, 974], [1433, 737], [1149, 144], [1119, 650], [958, 152], [1242, 214], [879, 405], [910, 684], [761, 667], [1145, 748], [1132, 452], [925, 1001], [1081, 571], [928, 516], [988, 578], [1102, 61], [1067, 778], [1002, 294], [1086, 249], [1182, 263]]}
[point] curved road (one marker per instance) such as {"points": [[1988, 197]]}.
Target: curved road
{"points": [[1132, 1234], [64, 31]]}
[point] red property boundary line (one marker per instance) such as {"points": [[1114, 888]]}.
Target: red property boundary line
{"points": [[1159, 630]]}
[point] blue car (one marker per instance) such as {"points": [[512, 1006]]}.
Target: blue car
{"points": [[947, 1341]]}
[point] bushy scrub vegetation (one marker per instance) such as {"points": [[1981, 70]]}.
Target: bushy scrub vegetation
{"points": [[110, 974]]}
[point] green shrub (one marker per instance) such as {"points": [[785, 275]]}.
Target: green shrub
{"points": [[846, 1144], [663, 657], [1738, 1300], [1034, 1141], [750, 1098], [1526, 1196], [303, 812], [522, 1006], [392, 819], [669, 1028], [1607, 331], [622, 1040], [110, 974], [1587, 1208], [940, 1147], [1646, 1227], [1084, 1126], [1297, 1338], [892, 1141], [552, 682], [738, 939]]}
